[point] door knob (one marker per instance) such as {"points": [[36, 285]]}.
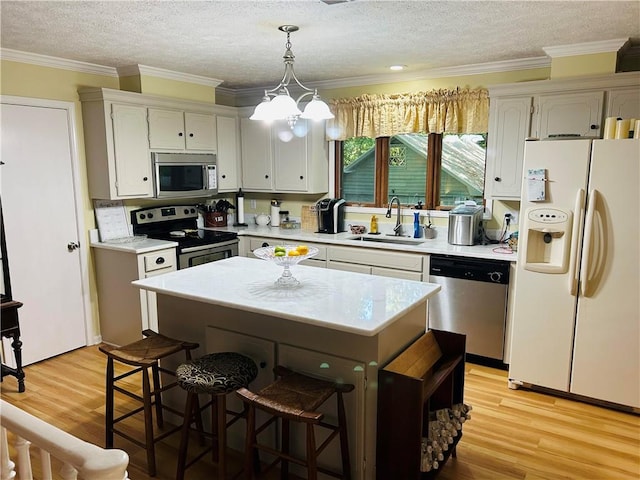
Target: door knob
{"points": [[71, 246]]}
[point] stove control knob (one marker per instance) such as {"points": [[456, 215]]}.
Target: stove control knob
{"points": [[150, 215], [142, 216], [186, 211], [193, 210]]}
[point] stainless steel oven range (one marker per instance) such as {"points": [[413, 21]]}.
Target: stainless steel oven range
{"points": [[178, 223]]}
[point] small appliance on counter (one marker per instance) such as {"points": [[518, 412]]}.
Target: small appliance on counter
{"points": [[465, 225], [330, 213]]}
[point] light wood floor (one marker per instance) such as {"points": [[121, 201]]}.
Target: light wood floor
{"points": [[512, 434]]}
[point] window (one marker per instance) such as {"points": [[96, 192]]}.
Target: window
{"points": [[437, 170]]}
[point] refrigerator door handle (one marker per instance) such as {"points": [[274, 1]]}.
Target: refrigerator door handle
{"points": [[575, 234], [588, 237]]}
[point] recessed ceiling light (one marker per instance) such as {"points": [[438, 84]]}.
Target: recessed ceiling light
{"points": [[397, 67]]}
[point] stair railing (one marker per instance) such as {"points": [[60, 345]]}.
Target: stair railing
{"points": [[80, 459]]}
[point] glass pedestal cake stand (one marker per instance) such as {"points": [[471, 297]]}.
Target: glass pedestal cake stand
{"points": [[280, 256]]}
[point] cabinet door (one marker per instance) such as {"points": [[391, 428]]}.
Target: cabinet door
{"points": [[624, 103], [509, 126], [332, 368], [131, 151], [290, 164], [570, 114], [166, 129], [200, 131], [256, 155], [227, 139]]}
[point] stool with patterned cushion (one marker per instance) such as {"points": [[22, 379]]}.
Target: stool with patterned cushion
{"points": [[216, 374]]}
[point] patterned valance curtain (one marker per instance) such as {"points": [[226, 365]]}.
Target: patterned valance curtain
{"points": [[461, 110]]}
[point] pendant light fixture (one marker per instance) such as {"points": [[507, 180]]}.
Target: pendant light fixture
{"points": [[277, 103]]}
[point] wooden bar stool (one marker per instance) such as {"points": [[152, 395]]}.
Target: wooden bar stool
{"points": [[217, 375], [143, 354], [295, 398]]}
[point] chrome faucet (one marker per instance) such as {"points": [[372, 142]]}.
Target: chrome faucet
{"points": [[397, 230]]}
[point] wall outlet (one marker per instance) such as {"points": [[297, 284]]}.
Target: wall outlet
{"points": [[514, 217], [253, 204]]}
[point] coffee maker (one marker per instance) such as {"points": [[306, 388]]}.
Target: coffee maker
{"points": [[330, 213]]}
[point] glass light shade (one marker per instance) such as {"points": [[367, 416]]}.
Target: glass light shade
{"points": [[283, 107], [316, 109], [262, 110], [285, 135]]}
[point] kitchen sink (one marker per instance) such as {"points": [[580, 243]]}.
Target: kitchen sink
{"points": [[389, 239]]}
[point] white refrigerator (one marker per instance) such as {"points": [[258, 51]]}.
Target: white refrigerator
{"points": [[576, 324]]}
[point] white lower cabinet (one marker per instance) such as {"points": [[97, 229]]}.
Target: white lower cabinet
{"points": [[126, 310], [409, 266]]}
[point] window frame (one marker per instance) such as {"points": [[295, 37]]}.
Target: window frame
{"points": [[381, 179]]}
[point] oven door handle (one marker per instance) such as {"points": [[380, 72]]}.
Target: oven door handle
{"points": [[219, 245]]}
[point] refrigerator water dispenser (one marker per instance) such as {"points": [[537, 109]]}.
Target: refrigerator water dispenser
{"points": [[548, 239]]}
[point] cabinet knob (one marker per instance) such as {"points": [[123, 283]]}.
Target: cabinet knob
{"points": [[594, 127], [301, 177], [191, 135], [498, 179], [265, 244], [159, 260], [144, 179], [266, 176], [263, 364], [224, 176], [180, 134]]}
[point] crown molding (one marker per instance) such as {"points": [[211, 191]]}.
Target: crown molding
{"points": [[463, 70], [130, 70], [605, 46], [56, 62]]}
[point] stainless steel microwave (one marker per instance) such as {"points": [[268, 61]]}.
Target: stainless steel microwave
{"points": [[177, 175]]}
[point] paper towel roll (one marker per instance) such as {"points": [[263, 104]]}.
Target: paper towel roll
{"points": [[636, 130], [622, 128], [610, 128], [275, 216]]}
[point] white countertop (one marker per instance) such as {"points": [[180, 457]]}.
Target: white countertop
{"points": [[345, 301], [135, 245], [437, 245]]}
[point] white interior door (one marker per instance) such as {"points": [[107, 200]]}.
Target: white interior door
{"points": [[39, 208]]}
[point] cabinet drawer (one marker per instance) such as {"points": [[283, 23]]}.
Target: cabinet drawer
{"points": [[376, 258], [393, 273], [159, 260]]}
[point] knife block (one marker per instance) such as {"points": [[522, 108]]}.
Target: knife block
{"points": [[215, 219]]}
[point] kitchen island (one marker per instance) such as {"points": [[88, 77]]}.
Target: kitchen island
{"points": [[336, 324]]}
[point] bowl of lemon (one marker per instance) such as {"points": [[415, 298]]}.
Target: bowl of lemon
{"points": [[286, 256]]}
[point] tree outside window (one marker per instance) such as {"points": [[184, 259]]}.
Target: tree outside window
{"points": [[437, 170]]}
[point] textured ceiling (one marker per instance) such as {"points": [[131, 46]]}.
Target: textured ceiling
{"points": [[238, 41]]}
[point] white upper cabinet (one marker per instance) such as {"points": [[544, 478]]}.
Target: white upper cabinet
{"points": [[131, 155], [549, 109], [121, 129], [570, 114], [300, 165], [624, 103], [228, 153], [116, 146], [177, 130], [257, 170], [510, 123]]}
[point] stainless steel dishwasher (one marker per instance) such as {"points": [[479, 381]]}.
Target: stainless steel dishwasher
{"points": [[473, 301]]}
